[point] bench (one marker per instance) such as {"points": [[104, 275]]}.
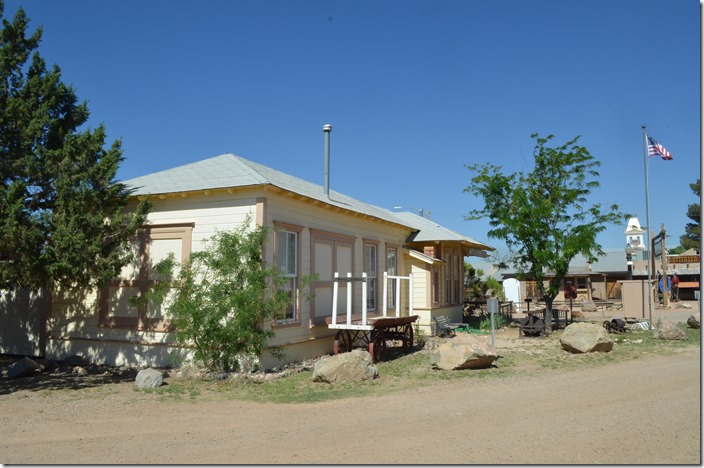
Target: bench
{"points": [[444, 328]]}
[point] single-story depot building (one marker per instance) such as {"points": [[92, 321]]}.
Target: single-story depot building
{"points": [[315, 231]]}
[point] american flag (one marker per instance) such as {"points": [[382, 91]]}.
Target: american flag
{"points": [[656, 149]]}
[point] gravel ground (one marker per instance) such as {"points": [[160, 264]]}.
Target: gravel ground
{"points": [[646, 411]]}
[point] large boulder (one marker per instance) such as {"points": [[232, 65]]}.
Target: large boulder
{"points": [[470, 353], [694, 321], [23, 368], [666, 329], [355, 366], [149, 378], [585, 337]]}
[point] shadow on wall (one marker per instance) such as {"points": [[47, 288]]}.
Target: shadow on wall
{"points": [[23, 316]]}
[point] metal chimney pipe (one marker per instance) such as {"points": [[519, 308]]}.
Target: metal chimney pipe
{"points": [[327, 128]]}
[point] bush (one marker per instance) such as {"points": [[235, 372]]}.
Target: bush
{"points": [[500, 321], [223, 297]]}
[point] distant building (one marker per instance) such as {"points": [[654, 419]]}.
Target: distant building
{"points": [[600, 280]]}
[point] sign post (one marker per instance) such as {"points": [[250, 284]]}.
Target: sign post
{"points": [[492, 304]]}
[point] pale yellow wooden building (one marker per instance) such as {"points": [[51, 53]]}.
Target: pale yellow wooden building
{"points": [[314, 233]]}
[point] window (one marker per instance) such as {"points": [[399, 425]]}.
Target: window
{"points": [[152, 245], [448, 284], [581, 282], [456, 277], [331, 252], [370, 270], [286, 251], [391, 270], [436, 286]]}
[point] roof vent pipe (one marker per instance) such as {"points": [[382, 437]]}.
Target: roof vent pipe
{"points": [[327, 128]]}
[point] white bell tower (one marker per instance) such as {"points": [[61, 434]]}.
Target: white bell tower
{"points": [[634, 234]]}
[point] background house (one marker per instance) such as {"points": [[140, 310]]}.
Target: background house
{"points": [[315, 231], [601, 280]]}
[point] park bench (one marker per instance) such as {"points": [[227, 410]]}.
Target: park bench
{"points": [[444, 328]]}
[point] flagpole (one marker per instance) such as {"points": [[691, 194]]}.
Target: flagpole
{"points": [[647, 229]]}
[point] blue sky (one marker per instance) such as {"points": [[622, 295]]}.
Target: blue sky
{"points": [[414, 90]]}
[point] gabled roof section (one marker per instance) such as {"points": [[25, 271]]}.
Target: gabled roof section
{"points": [[428, 230], [232, 171]]}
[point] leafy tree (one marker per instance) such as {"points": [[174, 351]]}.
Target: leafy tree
{"points": [[64, 221], [543, 215], [223, 298], [676, 250], [691, 239], [476, 287]]}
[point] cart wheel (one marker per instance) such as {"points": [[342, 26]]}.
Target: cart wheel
{"points": [[377, 345], [407, 338], [342, 343]]}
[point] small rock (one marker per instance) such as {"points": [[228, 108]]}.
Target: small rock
{"points": [[694, 321], [666, 329], [76, 360], [470, 354], [149, 378], [343, 368], [585, 338]]}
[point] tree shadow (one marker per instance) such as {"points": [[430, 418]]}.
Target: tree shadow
{"points": [[59, 375]]}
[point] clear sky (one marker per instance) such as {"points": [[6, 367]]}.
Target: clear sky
{"points": [[414, 90]]}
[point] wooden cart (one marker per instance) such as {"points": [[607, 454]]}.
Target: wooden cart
{"points": [[375, 335], [371, 330]]}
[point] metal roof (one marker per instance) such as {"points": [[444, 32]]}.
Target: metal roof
{"points": [[232, 171], [428, 230]]}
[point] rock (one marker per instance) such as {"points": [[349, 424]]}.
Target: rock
{"points": [[23, 368], [471, 353], [577, 314], [694, 321], [585, 338], [78, 370], [588, 306], [76, 360], [344, 368], [149, 378], [666, 329]]}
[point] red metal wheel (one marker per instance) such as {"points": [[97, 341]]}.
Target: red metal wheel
{"points": [[377, 345], [407, 338], [343, 342]]}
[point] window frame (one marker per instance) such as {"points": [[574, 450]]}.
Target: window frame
{"points": [[372, 273], [447, 269], [289, 228], [181, 231], [391, 270]]}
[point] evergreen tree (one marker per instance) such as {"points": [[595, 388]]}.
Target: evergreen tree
{"points": [[64, 220], [691, 239]]}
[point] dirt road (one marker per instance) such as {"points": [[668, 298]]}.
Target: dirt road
{"points": [[645, 411]]}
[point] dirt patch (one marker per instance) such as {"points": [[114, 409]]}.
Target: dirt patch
{"points": [[644, 411]]}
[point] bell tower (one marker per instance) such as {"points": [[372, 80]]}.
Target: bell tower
{"points": [[634, 234]]}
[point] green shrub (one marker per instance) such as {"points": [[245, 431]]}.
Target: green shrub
{"points": [[223, 299]]}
